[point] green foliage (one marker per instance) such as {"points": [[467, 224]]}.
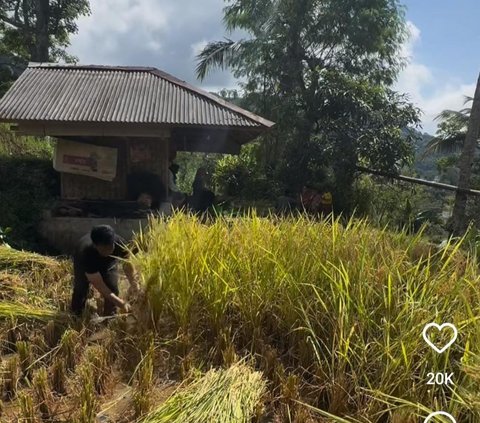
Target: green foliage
{"points": [[189, 163], [240, 176], [12, 145], [400, 206], [321, 69], [27, 187], [452, 130], [28, 184], [20, 33], [37, 31]]}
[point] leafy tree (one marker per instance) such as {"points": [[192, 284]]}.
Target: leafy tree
{"points": [[321, 69], [452, 140], [36, 30]]}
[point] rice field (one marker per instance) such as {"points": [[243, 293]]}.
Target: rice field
{"points": [[248, 320]]}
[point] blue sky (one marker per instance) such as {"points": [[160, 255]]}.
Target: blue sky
{"points": [[450, 35], [444, 54], [444, 63]]}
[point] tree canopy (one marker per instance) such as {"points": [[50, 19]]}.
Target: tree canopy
{"points": [[36, 30], [321, 69]]}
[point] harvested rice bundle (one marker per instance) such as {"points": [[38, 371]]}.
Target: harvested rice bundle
{"points": [[11, 285], [23, 260], [227, 396], [18, 310]]}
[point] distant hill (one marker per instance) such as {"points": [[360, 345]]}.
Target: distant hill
{"points": [[426, 167]]}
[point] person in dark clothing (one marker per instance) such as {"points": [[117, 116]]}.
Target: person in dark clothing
{"points": [[202, 198], [140, 182], [95, 262]]}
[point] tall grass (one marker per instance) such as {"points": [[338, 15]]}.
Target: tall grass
{"points": [[343, 302]]}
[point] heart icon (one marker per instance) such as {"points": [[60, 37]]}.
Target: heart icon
{"points": [[440, 328], [440, 413]]}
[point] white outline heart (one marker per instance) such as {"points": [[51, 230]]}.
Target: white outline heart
{"points": [[440, 328], [440, 413]]}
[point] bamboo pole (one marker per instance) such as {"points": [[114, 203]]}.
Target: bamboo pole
{"points": [[418, 181]]}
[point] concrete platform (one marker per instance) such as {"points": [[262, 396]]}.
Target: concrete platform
{"points": [[63, 233]]}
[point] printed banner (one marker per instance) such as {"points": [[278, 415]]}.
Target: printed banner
{"points": [[85, 159]]}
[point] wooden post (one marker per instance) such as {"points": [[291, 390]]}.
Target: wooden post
{"points": [[465, 165]]}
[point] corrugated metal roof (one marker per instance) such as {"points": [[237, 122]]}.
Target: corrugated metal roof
{"points": [[64, 93]]}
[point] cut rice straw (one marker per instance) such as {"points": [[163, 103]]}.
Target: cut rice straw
{"points": [[27, 312], [11, 259], [228, 396]]}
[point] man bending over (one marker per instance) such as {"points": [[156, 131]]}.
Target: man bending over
{"points": [[96, 262]]}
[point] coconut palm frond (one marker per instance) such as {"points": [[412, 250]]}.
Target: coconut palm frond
{"points": [[454, 115], [444, 145], [224, 54], [217, 54], [251, 14]]}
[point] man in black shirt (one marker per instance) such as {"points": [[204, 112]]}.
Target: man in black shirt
{"points": [[95, 262]]}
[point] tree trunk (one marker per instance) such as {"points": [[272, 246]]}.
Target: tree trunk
{"points": [[42, 42], [465, 166]]}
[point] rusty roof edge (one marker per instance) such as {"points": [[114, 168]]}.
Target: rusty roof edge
{"points": [[99, 67], [164, 75], [216, 99]]}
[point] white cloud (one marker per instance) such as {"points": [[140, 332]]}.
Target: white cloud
{"points": [[169, 35], [426, 89], [162, 33], [198, 47]]}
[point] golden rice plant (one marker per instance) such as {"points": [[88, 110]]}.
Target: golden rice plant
{"points": [[96, 357], [342, 299], [233, 395], [11, 377], [144, 382], [59, 376], [43, 394], [11, 259], [33, 279], [27, 408], [88, 402], [69, 347], [25, 311], [25, 356]]}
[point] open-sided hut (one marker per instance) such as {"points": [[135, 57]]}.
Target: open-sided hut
{"points": [[112, 122]]}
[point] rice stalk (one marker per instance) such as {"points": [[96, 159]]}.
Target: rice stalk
{"points": [[59, 376], [17, 310], [27, 408], [11, 378], [69, 345], [144, 383], [96, 357], [25, 356], [43, 394], [88, 403], [343, 300], [11, 259], [228, 396]]}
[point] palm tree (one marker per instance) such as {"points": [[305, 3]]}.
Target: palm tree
{"points": [[451, 133], [465, 164]]}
